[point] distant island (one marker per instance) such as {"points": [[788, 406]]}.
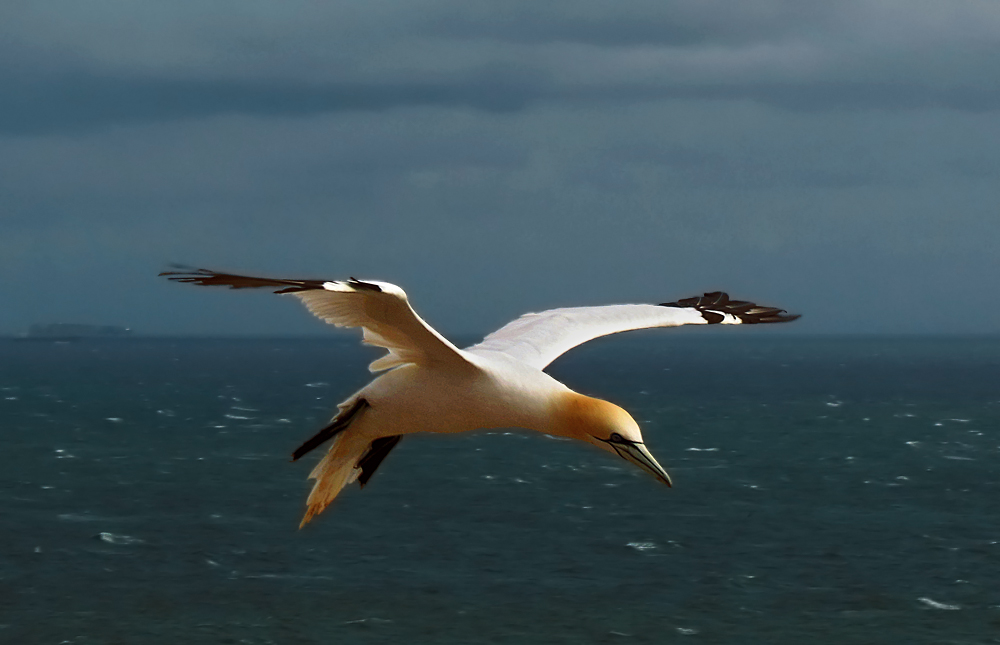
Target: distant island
{"points": [[74, 331]]}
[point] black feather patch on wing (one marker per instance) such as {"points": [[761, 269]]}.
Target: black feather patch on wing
{"points": [[207, 278], [361, 285], [713, 305], [335, 427], [376, 453]]}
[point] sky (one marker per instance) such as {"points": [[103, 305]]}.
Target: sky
{"points": [[840, 160]]}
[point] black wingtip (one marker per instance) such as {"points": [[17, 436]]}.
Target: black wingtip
{"points": [[788, 318], [714, 305], [361, 285], [182, 270], [209, 278]]}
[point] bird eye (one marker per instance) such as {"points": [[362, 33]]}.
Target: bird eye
{"points": [[615, 436]]}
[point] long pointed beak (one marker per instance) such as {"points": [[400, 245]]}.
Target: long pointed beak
{"points": [[638, 455]]}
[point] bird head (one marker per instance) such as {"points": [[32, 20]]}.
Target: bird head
{"points": [[608, 427]]}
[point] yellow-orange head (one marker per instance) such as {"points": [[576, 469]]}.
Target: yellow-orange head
{"points": [[605, 425]]}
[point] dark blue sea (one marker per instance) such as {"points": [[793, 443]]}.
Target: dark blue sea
{"points": [[825, 491]]}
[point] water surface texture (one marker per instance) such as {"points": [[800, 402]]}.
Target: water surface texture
{"points": [[840, 490]]}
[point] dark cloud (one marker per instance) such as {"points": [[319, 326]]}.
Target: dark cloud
{"points": [[841, 160], [80, 101], [487, 57], [716, 170], [675, 23], [529, 27]]}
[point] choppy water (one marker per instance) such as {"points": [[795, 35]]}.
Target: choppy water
{"points": [[829, 490]]}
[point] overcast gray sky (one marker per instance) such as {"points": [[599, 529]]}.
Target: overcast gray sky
{"points": [[841, 159]]}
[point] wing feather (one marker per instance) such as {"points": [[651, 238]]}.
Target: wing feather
{"points": [[539, 338], [381, 309]]}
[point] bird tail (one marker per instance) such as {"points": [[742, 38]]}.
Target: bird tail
{"points": [[337, 469]]}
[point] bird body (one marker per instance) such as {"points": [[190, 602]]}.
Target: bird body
{"points": [[432, 386]]}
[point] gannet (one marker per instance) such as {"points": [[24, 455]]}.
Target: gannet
{"points": [[430, 385]]}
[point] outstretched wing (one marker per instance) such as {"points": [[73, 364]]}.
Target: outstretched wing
{"points": [[379, 308], [538, 339]]}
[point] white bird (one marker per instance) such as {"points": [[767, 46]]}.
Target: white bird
{"points": [[433, 386]]}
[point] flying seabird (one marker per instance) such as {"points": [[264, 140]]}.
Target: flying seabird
{"points": [[430, 385]]}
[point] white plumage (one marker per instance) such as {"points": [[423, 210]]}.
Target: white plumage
{"points": [[433, 386]]}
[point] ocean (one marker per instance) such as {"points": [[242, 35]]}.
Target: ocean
{"points": [[826, 490]]}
